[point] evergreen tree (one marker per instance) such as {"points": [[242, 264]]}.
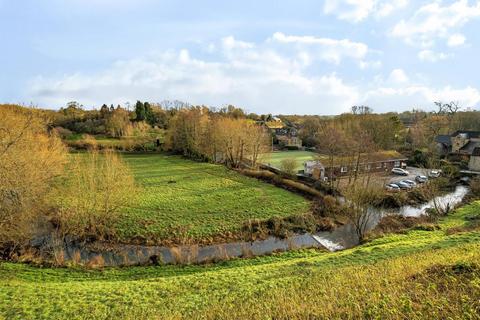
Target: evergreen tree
{"points": [[140, 111]]}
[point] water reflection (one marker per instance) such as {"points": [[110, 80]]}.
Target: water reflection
{"points": [[346, 237]]}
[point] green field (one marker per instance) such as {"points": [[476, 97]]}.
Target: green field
{"points": [[182, 198], [415, 275], [275, 158]]}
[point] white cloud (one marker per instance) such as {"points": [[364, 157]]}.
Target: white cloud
{"points": [[257, 77], [456, 40], [280, 75], [434, 20], [419, 96], [431, 56], [358, 10], [230, 43], [327, 49], [398, 76], [374, 64]]}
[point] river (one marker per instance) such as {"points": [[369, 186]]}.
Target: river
{"points": [[341, 238], [345, 236]]}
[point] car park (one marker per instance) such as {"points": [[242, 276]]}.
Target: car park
{"points": [[410, 182], [434, 173], [392, 187], [400, 172], [403, 185], [421, 179]]}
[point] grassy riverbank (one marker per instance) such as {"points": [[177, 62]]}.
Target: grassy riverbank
{"points": [[417, 275]]}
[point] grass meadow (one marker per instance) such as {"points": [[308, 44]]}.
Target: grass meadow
{"points": [[275, 158], [180, 198], [415, 275]]}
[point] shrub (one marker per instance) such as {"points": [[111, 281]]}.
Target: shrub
{"points": [[288, 166], [327, 206], [92, 194], [30, 159]]}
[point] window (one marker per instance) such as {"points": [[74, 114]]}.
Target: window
{"points": [[379, 165], [343, 169], [397, 164], [384, 164]]}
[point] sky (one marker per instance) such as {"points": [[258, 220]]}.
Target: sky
{"points": [[269, 56]]}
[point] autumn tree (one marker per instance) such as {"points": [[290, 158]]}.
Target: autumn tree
{"points": [[118, 122], [197, 133], [30, 159], [92, 193]]}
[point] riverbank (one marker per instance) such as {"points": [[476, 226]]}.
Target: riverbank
{"points": [[262, 237], [418, 274]]}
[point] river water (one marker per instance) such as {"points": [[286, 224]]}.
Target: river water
{"points": [[345, 236], [341, 238]]}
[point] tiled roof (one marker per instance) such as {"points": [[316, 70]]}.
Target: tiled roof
{"points": [[470, 147]]}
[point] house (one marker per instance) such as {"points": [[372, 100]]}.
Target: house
{"points": [[474, 163], [289, 141], [462, 144], [382, 161], [314, 168], [285, 136]]}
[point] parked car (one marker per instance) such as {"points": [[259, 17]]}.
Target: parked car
{"points": [[421, 179], [435, 173], [400, 172], [403, 185], [392, 187], [410, 182]]}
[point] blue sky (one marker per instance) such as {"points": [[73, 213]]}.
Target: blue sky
{"points": [[304, 57]]}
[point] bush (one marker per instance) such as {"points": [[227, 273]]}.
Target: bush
{"points": [[30, 159], [327, 206], [93, 192], [289, 166], [450, 171], [419, 159]]}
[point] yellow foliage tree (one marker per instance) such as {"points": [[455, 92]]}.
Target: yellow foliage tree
{"points": [[95, 189], [30, 159]]}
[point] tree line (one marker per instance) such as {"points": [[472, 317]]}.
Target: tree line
{"points": [[197, 132]]}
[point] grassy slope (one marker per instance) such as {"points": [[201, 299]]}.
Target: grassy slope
{"points": [[385, 278], [201, 199], [275, 158]]}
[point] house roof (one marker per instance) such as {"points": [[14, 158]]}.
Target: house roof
{"points": [[471, 134], [274, 124], [470, 147], [444, 139]]}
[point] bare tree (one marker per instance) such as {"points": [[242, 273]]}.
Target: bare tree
{"points": [[449, 110], [331, 141], [360, 200]]}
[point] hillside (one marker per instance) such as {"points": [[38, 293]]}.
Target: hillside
{"points": [[416, 275]]}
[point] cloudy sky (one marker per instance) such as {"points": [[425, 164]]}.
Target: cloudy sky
{"points": [[278, 56]]}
